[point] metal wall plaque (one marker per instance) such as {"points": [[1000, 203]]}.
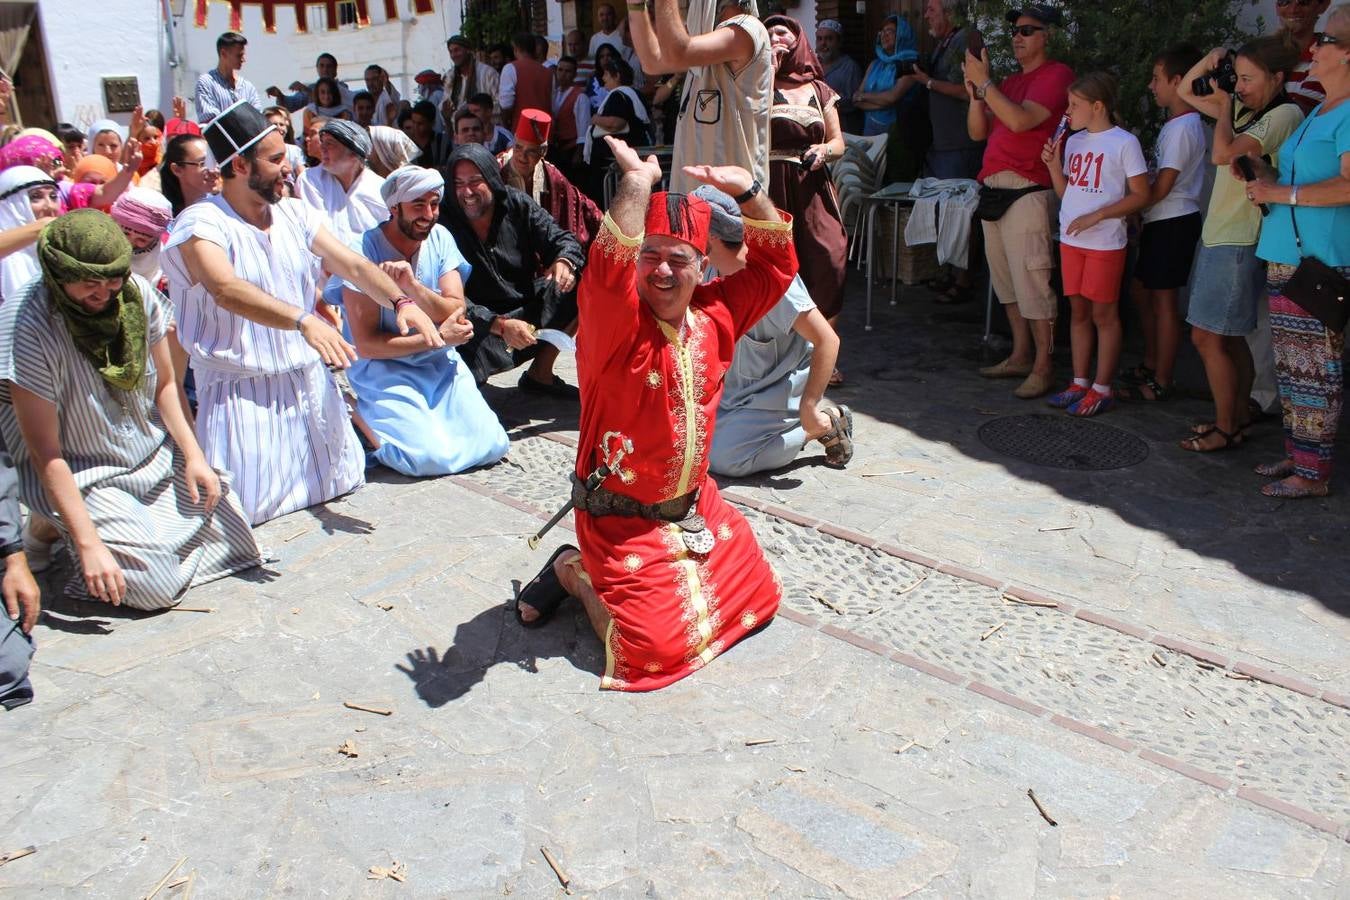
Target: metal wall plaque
{"points": [[121, 95]]}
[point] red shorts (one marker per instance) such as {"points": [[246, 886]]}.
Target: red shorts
{"points": [[1094, 274]]}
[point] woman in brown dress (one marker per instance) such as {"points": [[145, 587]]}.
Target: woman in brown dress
{"points": [[804, 136]]}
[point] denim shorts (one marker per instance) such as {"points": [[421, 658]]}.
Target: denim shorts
{"points": [[1226, 286]]}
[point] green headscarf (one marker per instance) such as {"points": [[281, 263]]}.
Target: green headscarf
{"points": [[86, 245]]}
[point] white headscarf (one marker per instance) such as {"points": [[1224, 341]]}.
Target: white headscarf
{"points": [[21, 266], [390, 148], [98, 128], [407, 183]]}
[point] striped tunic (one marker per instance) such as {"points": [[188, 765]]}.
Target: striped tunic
{"points": [[267, 409], [129, 472]]}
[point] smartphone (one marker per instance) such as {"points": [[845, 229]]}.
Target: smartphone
{"points": [[1249, 174], [974, 42]]}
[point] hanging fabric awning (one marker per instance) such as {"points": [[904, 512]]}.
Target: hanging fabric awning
{"points": [[269, 12]]}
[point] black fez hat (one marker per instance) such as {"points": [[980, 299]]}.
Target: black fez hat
{"points": [[237, 128]]}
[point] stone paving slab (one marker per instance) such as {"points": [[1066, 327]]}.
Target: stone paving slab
{"points": [[224, 751], [1181, 544], [1235, 730]]}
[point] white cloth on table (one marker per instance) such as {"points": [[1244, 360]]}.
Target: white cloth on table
{"points": [[128, 470], [267, 409], [350, 213], [943, 212]]}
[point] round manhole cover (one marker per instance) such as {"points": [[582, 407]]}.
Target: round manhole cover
{"points": [[1064, 442]]}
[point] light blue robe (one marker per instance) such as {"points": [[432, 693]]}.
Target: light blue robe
{"points": [[758, 423], [425, 408]]}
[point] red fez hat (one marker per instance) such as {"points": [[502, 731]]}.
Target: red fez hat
{"points": [[533, 125], [681, 216]]}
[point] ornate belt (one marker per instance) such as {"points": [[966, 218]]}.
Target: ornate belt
{"points": [[679, 511]]}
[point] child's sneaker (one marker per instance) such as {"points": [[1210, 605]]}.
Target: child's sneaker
{"points": [[1092, 403], [1067, 397]]}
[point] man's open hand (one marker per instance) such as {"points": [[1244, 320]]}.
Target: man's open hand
{"points": [[731, 180], [629, 161]]}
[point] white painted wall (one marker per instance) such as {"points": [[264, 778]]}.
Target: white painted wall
{"points": [[124, 37], [403, 47]]}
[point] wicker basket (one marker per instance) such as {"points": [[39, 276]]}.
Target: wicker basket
{"points": [[915, 264]]}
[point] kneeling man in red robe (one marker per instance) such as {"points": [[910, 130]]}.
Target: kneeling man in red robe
{"points": [[669, 573]]}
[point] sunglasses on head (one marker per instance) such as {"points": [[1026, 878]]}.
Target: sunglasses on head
{"points": [[1027, 30], [1324, 39], [1296, 2]]}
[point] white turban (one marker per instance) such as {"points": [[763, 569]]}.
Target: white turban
{"points": [[391, 148], [407, 183]]}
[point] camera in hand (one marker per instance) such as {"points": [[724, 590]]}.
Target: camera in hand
{"points": [[1224, 78], [808, 160]]}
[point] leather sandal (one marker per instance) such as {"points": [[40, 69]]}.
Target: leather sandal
{"points": [[838, 441], [1282, 469], [1283, 490], [544, 592]]}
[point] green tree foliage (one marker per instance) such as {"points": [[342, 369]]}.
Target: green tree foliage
{"points": [[488, 22], [1122, 37]]}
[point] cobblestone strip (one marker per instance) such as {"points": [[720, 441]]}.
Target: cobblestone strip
{"points": [[1172, 704]]}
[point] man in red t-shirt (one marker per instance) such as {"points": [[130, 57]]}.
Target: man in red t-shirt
{"points": [[1017, 117]]}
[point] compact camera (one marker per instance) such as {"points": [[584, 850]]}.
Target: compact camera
{"points": [[1224, 78]]}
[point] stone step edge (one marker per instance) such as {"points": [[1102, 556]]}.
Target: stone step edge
{"points": [[1013, 589], [1094, 732]]}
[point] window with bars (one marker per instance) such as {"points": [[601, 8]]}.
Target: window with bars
{"points": [[346, 16]]}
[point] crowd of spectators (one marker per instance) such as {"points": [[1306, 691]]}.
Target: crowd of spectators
{"points": [[440, 239]]}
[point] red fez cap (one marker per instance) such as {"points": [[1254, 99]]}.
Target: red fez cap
{"points": [[681, 216], [533, 125]]}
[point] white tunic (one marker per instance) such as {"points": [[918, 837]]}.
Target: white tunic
{"points": [[349, 213], [267, 409]]}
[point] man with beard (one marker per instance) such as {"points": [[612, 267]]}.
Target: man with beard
{"points": [[525, 169], [241, 276], [524, 272], [724, 113], [669, 573], [466, 76], [341, 187], [419, 405]]}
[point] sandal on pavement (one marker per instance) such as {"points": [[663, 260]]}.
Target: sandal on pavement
{"points": [[838, 441], [1283, 490], [836, 378], [1092, 403], [1282, 469], [555, 388], [544, 592], [1194, 443], [1133, 391], [1006, 369], [1140, 374]]}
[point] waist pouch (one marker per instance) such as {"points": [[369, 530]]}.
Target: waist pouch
{"points": [[994, 202]]}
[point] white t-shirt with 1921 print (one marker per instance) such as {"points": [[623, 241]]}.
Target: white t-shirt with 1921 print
{"points": [[1098, 168]]}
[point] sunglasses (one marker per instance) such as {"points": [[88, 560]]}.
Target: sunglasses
{"points": [[1323, 39], [1283, 3], [1027, 30]]}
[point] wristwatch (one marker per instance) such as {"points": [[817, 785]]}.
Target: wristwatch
{"points": [[749, 195], [928, 84], [1293, 195], [980, 91]]}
